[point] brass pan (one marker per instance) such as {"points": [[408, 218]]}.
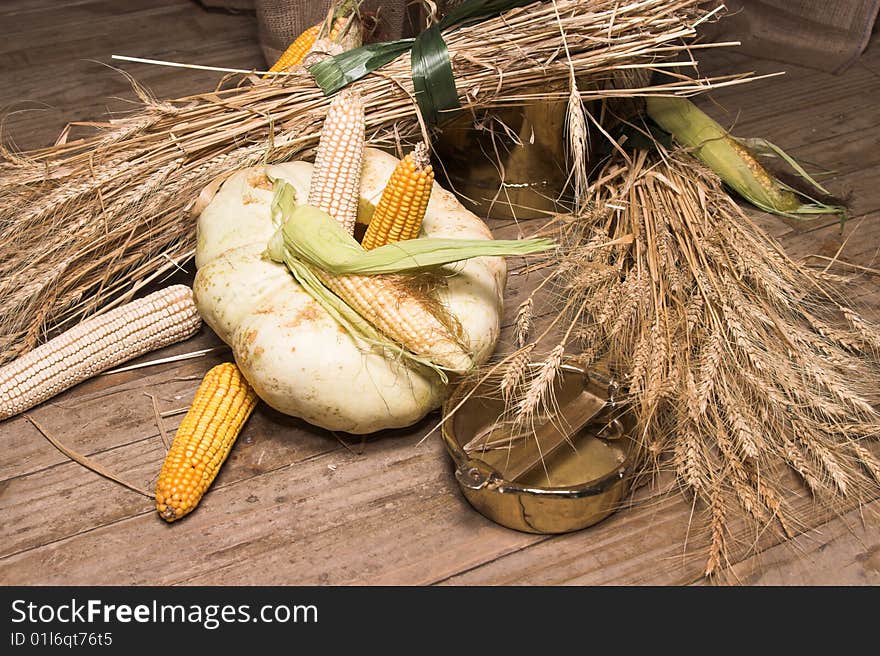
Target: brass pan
{"points": [[568, 473]]}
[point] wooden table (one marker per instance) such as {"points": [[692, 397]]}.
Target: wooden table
{"points": [[297, 505]]}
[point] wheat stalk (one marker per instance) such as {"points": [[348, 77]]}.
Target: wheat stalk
{"points": [[738, 365]]}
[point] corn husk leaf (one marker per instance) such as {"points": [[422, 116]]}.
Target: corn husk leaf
{"points": [[734, 161], [334, 73], [765, 148], [312, 236], [432, 76]]}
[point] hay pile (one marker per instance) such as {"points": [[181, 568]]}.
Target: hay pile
{"points": [[86, 224]]}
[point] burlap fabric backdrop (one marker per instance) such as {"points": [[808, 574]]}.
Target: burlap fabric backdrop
{"points": [[824, 34], [280, 21]]}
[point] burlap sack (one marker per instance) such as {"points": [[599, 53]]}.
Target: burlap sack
{"points": [[823, 34], [279, 22]]}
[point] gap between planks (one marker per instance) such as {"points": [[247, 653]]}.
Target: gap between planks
{"points": [[135, 515]]}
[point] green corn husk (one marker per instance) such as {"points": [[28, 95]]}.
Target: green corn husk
{"points": [[333, 73], [312, 236], [733, 159], [307, 237]]}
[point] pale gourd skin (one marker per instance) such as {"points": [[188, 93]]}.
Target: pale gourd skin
{"points": [[297, 358]]}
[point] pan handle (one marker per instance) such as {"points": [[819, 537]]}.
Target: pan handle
{"points": [[474, 475]]}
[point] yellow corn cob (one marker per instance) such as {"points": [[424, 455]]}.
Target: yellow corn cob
{"points": [[336, 177], [779, 197], [401, 208], [296, 52], [95, 345], [222, 404], [393, 309]]}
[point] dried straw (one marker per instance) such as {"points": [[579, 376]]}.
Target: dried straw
{"points": [[87, 223], [736, 359], [85, 461]]}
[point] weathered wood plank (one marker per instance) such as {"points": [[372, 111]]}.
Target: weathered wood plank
{"points": [[859, 239], [845, 551], [650, 544], [66, 499], [848, 104], [40, 23], [391, 515], [796, 87], [57, 83], [338, 518]]}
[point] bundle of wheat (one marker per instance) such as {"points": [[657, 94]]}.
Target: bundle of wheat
{"points": [[85, 224], [736, 359]]}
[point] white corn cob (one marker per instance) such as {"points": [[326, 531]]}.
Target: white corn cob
{"points": [[95, 345], [401, 316], [336, 177]]}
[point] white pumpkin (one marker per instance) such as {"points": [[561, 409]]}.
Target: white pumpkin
{"points": [[298, 359]]}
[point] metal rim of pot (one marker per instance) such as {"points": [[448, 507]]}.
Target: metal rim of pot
{"points": [[477, 477]]}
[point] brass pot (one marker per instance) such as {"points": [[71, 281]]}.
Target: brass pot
{"points": [[578, 478], [533, 161]]}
